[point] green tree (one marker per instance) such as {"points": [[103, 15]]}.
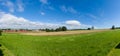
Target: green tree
{"points": [[64, 28], [89, 29], [47, 30], [113, 27], [0, 32]]}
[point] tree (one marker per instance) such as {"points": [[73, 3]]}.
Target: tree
{"points": [[57, 29], [89, 29], [0, 32], [113, 27], [64, 28], [92, 28], [47, 30]]}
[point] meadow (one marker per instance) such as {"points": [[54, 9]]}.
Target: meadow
{"points": [[90, 44]]}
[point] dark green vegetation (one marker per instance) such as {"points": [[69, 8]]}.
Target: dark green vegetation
{"points": [[0, 32], [92, 44], [1, 53], [113, 27], [63, 28], [118, 46]]}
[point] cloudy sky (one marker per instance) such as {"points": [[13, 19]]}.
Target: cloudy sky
{"points": [[54, 13]]}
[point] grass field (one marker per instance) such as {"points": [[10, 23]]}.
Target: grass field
{"points": [[91, 44]]}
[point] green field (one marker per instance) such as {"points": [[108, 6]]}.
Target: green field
{"points": [[92, 44]]}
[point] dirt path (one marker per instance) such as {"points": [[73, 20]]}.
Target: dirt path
{"points": [[62, 33]]}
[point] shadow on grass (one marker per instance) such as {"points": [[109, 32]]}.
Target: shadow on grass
{"points": [[118, 46], [1, 52]]}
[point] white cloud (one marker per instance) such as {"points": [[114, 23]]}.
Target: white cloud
{"points": [[20, 5], [72, 10], [46, 5], [68, 9], [44, 1], [42, 13], [73, 23], [92, 16], [8, 20], [63, 8], [9, 4], [51, 8]]}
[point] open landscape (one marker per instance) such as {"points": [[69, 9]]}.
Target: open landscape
{"points": [[59, 27], [101, 43]]}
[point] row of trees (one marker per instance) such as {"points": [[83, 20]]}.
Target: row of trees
{"points": [[92, 28], [63, 28], [113, 27]]}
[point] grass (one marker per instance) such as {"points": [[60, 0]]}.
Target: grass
{"points": [[115, 52], [92, 44]]}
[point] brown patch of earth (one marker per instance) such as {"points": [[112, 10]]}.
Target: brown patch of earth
{"points": [[63, 32]]}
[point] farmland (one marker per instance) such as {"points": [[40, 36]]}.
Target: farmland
{"points": [[89, 44]]}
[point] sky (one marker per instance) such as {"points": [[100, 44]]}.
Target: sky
{"points": [[74, 14]]}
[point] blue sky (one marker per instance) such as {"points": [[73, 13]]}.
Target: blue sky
{"points": [[71, 13]]}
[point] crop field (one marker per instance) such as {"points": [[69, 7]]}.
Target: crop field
{"points": [[89, 44]]}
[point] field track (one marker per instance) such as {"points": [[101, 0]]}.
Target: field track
{"points": [[62, 33]]}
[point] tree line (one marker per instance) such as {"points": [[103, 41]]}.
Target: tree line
{"points": [[113, 27], [63, 28]]}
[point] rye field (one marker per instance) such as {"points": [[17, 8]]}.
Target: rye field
{"points": [[89, 44]]}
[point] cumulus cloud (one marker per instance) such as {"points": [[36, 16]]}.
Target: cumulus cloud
{"points": [[8, 20], [68, 9], [73, 23]]}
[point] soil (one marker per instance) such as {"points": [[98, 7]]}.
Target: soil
{"points": [[62, 32]]}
